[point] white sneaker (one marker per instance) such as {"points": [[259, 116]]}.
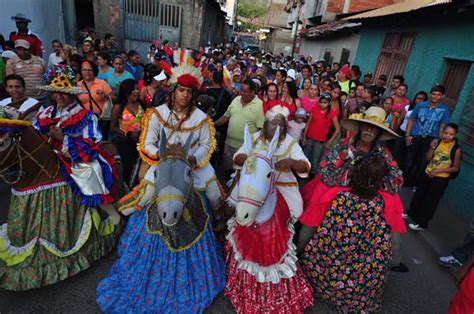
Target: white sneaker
{"points": [[405, 216], [449, 261], [416, 227]]}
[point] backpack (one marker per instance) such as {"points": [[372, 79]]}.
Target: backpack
{"points": [[453, 175]]}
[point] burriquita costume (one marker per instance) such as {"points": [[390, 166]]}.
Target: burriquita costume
{"points": [[162, 268], [50, 234], [88, 168], [263, 273], [200, 127]]}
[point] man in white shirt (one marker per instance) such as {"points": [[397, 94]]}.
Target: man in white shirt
{"points": [[27, 106], [54, 57]]}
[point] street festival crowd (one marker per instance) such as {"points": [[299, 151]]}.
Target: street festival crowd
{"points": [[118, 149]]}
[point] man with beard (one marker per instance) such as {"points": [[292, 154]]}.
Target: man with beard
{"points": [[370, 133]]}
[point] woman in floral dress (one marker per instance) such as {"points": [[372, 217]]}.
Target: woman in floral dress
{"points": [[348, 258]]}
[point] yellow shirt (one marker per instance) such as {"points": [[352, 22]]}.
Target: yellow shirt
{"points": [[441, 159]]}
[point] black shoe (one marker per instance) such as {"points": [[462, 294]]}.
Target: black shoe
{"points": [[401, 268]]}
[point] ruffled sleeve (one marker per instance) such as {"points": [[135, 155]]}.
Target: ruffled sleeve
{"points": [[149, 137]]}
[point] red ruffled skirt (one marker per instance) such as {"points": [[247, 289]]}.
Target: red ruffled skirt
{"points": [[266, 245]]}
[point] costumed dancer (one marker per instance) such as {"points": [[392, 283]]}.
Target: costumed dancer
{"points": [[263, 273], [348, 259], [369, 133], [169, 259], [75, 136], [51, 234]]}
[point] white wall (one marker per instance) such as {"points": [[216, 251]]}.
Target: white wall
{"points": [[46, 17], [316, 48]]}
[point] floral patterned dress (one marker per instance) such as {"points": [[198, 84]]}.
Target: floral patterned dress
{"points": [[348, 258]]}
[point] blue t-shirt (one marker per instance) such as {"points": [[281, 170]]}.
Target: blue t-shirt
{"points": [[427, 120], [114, 81], [135, 70], [103, 76]]}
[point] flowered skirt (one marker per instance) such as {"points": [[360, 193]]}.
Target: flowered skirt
{"points": [[50, 237], [149, 277], [348, 258]]}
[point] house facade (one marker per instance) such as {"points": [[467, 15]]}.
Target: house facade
{"points": [[429, 45], [320, 35]]}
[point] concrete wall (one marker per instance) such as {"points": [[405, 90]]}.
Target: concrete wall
{"points": [[317, 47], [108, 18], [46, 19], [426, 67], [279, 41]]}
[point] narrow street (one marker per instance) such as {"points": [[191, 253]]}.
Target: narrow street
{"points": [[427, 288]]}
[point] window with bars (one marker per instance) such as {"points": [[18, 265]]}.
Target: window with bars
{"points": [[454, 78], [393, 58]]}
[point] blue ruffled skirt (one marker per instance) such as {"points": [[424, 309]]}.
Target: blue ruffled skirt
{"points": [[148, 277]]}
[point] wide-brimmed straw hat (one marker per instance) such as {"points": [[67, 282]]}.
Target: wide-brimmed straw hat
{"points": [[374, 116], [61, 79]]}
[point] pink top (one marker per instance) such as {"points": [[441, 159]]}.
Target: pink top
{"points": [[308, 104], [400, 106]]}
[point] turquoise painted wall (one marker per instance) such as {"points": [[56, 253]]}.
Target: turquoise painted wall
{"points": [[426, 67]]}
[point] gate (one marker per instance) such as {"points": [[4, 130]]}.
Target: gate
{"points": [[394, 54], [149, 20]]}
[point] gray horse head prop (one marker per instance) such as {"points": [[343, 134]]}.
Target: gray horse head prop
{"points": [[174, 180]]}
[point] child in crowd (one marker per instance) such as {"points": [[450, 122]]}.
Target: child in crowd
{"points": [[444, 164], [297, 126], [315, 139]]}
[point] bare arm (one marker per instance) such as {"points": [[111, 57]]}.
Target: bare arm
{"points": [[221, 121], [337, 128], [114, 120]]}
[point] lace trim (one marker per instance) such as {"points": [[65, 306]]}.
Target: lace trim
{"points": [[285, 268], [39, 188], [13, 255]]}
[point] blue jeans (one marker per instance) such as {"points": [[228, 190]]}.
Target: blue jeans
{"points": [[461, 253], [314, 151]]}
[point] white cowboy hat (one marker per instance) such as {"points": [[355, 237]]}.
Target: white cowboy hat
{"points": [[374, 116]]}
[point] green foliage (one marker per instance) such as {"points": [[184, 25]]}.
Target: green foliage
{"points": [[252, 8]]}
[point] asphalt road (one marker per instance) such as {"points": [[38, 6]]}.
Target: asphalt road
{"points": [[427, 288]]}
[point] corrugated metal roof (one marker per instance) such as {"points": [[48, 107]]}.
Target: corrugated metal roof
{"points": [[402, 7], [325, 29]]}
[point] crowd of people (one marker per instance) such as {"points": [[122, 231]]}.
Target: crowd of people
{"points": [[359, 139]]}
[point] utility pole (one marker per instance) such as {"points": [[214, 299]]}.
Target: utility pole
{"points": [[295, 25]]}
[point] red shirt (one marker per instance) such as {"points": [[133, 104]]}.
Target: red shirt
{"points": [[267, 105], [291, 107], [320, 124], [35, 43]]}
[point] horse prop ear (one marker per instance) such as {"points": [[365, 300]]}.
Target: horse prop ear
{"points": [[163, 141], [273, 143], [187, 145], [247, 140]]}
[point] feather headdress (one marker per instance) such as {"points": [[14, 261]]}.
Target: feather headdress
{"points": [[186, 75]]}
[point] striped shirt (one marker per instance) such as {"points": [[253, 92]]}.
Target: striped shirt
{"points": [[31, 70]]}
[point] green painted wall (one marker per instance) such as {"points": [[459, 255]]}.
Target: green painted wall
{"points": [[426, 67]]}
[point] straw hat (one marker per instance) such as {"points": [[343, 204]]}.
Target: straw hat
{"points": [[61, 79], [374, 116]]}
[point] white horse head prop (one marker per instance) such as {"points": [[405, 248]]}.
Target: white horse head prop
{"points": [[256, 196]]}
